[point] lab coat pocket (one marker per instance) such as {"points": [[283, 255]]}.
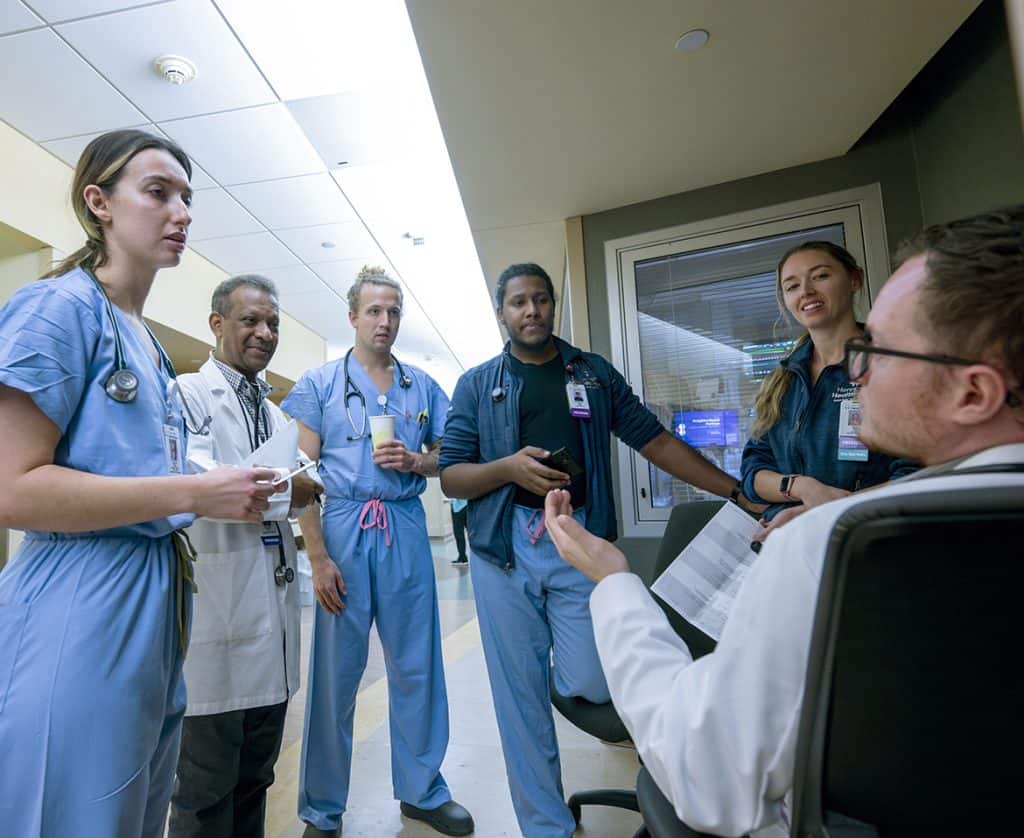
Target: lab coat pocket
{"points": [[233, 602], [13, 619]]}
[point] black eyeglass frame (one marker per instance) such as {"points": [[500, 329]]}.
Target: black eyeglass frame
{"points": [[860, 346]]}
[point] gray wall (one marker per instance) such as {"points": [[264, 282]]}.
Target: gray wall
{"points": [[950, 145]]}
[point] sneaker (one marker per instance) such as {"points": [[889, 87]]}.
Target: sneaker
{"points": [[460, 560]]}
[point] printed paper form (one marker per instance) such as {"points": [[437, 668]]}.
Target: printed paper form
{"points": [[703, 580], [280, 451]]}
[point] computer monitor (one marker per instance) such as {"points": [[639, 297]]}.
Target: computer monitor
{"points": [[705, 428]]}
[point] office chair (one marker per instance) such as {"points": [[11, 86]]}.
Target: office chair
{"points": [[910, 718]]}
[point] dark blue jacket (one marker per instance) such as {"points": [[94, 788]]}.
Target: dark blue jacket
{"points": [[481, 430], [804, 440]]}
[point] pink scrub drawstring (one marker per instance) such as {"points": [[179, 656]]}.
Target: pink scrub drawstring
{"points": [[379, 519], [537, 534]]}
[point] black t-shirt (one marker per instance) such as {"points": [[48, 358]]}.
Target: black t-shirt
{"points": [[544, 421]]}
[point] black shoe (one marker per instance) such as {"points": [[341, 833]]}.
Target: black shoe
{"points": [[460, 560], [314, 832], [449, 818]]}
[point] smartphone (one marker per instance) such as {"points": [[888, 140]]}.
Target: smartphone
{"points": [[561, 460]]}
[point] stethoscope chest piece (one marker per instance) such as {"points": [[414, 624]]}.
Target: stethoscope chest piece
{"points": [[122, 386], [283, 576]]}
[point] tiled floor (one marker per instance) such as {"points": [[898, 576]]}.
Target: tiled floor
{"points": [[473, 766]]}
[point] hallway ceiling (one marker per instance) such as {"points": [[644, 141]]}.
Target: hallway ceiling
{"points": [[318, 150], [552, 110]]}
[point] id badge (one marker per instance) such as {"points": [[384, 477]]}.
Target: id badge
{"points": [[173, 449], [850, 448], [579, 404], [269, 534]]}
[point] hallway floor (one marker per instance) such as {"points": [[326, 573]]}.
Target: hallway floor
{"points": [[473, 766]]}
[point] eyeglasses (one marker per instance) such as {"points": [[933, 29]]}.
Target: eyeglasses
{"points": [[858, 352]]}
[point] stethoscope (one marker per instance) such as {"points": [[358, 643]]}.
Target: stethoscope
{"points": [[123, 384], [404, 381], [499, 393]]}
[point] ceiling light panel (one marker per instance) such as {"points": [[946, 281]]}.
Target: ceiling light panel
{"points": [[351, 241], [14, 17], [123, 47], [69, 149], [296, 202], [246, 254], [317, 47], [77, 99], [255, 144], [215, 214]]}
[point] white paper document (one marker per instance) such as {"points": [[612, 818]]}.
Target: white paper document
{"points": [[703, 580], [280, 451]]}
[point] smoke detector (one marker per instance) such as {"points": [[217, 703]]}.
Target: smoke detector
{"points": [[175, 69]]}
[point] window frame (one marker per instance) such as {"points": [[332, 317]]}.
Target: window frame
{"points": [[858, 209]]}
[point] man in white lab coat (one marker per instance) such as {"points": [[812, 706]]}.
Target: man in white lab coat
{"points": [[243, 659], [941, 374]]}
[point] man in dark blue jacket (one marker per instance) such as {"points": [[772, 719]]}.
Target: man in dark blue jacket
{"points": [[542, 395]]}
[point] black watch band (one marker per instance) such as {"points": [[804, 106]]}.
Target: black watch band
{"points": [[735, 494]]}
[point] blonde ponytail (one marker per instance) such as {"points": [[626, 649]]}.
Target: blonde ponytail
{"points": [[768, 404]]}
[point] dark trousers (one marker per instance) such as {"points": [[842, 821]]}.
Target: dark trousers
{"points": [[459, 526], [225, 767]]}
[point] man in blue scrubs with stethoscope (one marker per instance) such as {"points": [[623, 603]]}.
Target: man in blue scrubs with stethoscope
{"points": [[371, 561]]}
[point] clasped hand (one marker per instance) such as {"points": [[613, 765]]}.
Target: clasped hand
{"points": [[526, 471], [234, 493]]}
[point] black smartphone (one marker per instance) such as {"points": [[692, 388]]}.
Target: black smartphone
{"points": [[561, 460]]}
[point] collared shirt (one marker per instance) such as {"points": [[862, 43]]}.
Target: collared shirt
{"points": [[251, 394]]}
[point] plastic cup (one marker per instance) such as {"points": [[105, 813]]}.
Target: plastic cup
{"points": [[382, 429]]}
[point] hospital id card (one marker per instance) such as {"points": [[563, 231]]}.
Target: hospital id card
{"points": [[579, 403], [849, 448], [173, 449]]}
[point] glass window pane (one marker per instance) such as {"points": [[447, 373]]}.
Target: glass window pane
{"points": [[710, 331]]}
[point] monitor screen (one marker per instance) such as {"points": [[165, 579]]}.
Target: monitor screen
{"points": [[765, 357], [704, 428]]}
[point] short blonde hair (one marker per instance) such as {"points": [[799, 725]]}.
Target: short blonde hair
{"points": [[374, 275]]}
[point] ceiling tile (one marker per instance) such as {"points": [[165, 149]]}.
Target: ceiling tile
{"points": [[69, 149], [337, 125], [57, 10], [246, 254], [14, 17], [297, 279], [77, 100], [351, 241], [341, 274], [123, 47], [254, 144], [323, 312], [215, 214], [296, 202]]}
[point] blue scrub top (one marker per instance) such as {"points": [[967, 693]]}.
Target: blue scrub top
{"points": [[346, 466], [57, 345]]}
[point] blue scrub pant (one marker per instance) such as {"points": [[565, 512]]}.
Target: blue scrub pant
{"points": [[395, 587], [91, 691], [539, 606]]}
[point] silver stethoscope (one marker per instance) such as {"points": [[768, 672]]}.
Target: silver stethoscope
{"points": [[404, 381], [123, 384]]}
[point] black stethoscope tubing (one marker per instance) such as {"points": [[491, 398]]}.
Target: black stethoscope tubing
{"points": [[351, 389], [123, 384]]}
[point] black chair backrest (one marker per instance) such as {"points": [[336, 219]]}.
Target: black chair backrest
{"points": [[910, 717], [684, 523]]}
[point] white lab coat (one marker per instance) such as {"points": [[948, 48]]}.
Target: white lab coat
{"points": [[719, 734], [244, 648]]}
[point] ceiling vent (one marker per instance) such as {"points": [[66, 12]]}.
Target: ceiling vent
{"points": [[175, 69]]}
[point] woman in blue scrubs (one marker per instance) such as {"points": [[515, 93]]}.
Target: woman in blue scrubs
{"points": [[94, 606]]}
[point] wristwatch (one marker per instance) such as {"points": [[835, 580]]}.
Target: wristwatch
{"points": [[786, 484], [735, 494]]}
